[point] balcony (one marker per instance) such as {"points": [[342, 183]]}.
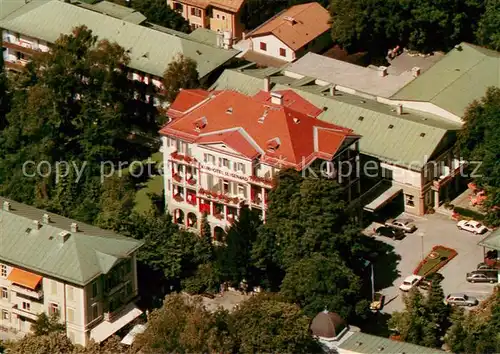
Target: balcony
{"points": [[261, 181], [16, 66], [22, 47], [183, 158], [219, 197], [177, 177], [27, 314], [35, 294]]}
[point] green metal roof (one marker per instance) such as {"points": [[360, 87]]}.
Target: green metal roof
{"points": [[492, 240], [359, 342], [204, 35], [114, 10], [85, 255], [407, 140], [150, 51], [12, 8], [462, 76]]}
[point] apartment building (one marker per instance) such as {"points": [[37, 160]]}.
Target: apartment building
{"points": [[216, 15], [28, 31], [53, 265], [222, 149]]}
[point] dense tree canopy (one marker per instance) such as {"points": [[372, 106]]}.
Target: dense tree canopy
{"points": [[181, 73], [160, 13], [478, 142], [488, 32]]}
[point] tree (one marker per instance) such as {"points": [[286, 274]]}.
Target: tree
{"points": [[478, 142], [266, 323], [206, 232], [183, 325], [4, 94], [54, 342], [488, 32], [320, 282], [45, 325], [181, 73], [160, 13], [234, 259]]}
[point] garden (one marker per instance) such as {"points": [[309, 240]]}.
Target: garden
{"points": [[435, 260]]}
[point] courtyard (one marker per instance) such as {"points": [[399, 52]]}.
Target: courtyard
{"points": [[435, 229]]}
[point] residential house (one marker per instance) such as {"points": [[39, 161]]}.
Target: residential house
{"points": [[53, 265], [293, 32], [150, 50], [216, 15], [222, 149], [403, 151]]}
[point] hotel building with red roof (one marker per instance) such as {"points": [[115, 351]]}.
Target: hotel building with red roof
{"points": [[222, 149]]}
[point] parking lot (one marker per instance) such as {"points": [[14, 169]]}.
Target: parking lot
{"points": [[435, 230]]}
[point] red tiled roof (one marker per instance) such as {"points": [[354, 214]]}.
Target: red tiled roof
{"points": [[253, 127], [185, 100], [309, 22], [291, 99], [231, 5]]}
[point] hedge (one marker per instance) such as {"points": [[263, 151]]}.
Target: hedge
{"points": [[469, 213]]}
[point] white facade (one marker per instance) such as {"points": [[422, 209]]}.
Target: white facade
{"points": [[272, 46], [80, 308]]}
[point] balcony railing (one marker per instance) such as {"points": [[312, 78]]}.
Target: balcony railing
{"points": [[24, 313], [219, 197], [182, 158], [261, 181], [36, 294]]}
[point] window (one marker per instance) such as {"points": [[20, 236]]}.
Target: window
{"points": [[128, 289], [53, 287], [5, 315], [177, 6], [53, 309], [409, 200], [95, 289], [70, 292], [195, 12], [209, 159], [283, 52], [3, 270], [223, 17], [26, 306], [71, 314], [5, 293], [225, 186], [20, 56], [128, 267], [239, 167], [224, 162], [218, 16], [95, 311], [263, 46], [242, 190]]}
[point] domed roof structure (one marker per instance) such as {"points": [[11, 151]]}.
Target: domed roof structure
{"points": [[327, 325]]}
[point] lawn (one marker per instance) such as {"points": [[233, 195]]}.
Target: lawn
{"points": [[153, 185], [435, 260]]}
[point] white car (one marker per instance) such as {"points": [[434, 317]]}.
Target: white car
{"points": [[409, 282], [472, 226]]}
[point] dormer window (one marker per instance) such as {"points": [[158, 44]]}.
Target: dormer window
{"points": [[273, 144], [200, 123]]}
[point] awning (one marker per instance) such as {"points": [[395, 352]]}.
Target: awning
{"points": [[129, 338], [383, 199], [491, 241], [106, 329], [24, 278]]}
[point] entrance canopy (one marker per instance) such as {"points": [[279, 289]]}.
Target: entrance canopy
{"points": [[491, 241], [383, 199], [106, 329], [24, 278]]}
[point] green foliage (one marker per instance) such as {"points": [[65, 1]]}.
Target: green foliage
{"points": [[478, 141], [425, 320], [181, 73], [45, 325], [427, 25], [4, 93], [488, 32], [54, 342], [469, 213], [205, 232], [478, 331], [160, 13]]}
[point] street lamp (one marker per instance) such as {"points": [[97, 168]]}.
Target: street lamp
{"points": [[421, 234]]}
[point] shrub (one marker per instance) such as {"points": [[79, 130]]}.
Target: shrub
{"points": [[469, 213]]}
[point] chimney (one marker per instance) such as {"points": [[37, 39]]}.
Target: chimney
{"points": [[243, 36], [64, 236], [74, 227], [332, 91], [382, 71], [276, 98], [37, 224], [399, 109], [227, 39], [267, 84], [46, 219], [6, 206], [415, 71]]}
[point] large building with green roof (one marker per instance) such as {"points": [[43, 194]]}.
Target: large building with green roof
{"points": [[54, 265], [411, 148], [28, 30]]}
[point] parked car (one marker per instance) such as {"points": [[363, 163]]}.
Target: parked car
{"points": [[486, 267], [472, 226], [406, 225], [409, 282], [427, 281], [378, 302], [390, 232], [461, 299], [480, 276]]}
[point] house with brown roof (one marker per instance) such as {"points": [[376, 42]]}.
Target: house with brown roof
{"points": [[221, 150], [217, 15], [293, 32]]}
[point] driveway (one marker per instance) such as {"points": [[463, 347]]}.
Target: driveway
{"points": [[437, 229]]}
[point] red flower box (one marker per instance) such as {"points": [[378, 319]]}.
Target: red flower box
{"points": [[191, 181], [218, 216], [178, 198], [176, 177]]}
